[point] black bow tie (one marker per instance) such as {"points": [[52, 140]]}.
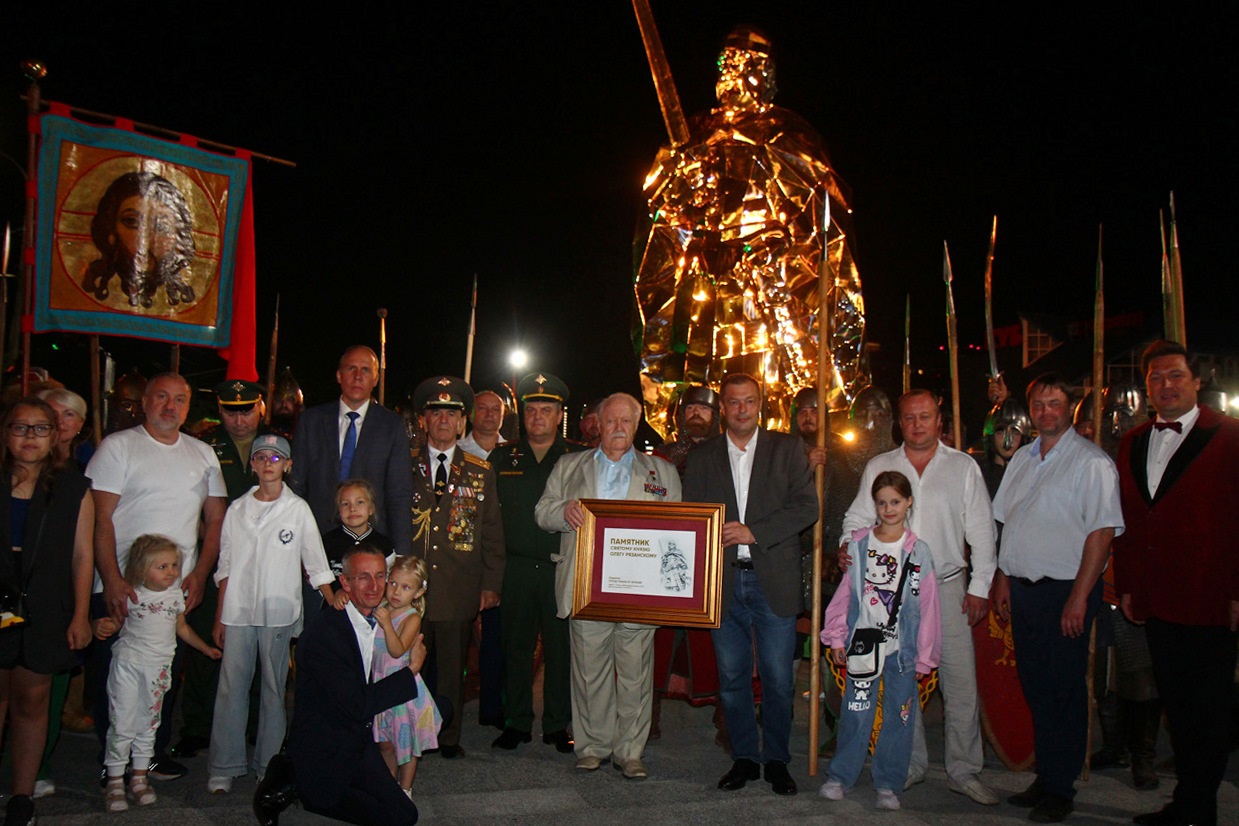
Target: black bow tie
{"points": [[1177, 427]]}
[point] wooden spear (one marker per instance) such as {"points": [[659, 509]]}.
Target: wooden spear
{"points": [[952, 336], [272, 359], [1176, 277], [1170, 318], [382, 356], [473, 329], [907, 343], [1099, 345], [825, 374]]}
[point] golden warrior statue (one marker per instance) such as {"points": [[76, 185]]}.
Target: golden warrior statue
{"points": [[739, 219]]}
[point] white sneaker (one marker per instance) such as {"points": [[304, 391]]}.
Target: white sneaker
{"points": [[975, 790], [219, 785], [887, 800], [44, 788], [832, 790], [408, 792]]}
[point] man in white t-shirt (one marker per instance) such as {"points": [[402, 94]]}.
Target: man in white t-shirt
{"points": [[153, 479]]}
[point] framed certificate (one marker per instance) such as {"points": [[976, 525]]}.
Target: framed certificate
{"points": [[657, 563]]}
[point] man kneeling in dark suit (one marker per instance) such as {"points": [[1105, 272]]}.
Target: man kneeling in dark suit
{"points": [[337, 766]]}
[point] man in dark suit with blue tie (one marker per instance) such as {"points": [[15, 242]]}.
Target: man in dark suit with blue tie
{"points": [[764, 479], [1176, 569], [336, 765], [355, 438]]}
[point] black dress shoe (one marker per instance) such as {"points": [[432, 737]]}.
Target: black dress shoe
{"points": [[742, 771], [560, 740], [1053, 808], [779, 779], [189, 746], [510, 739], [493, 720], [1169, 816], [276, 792], [451, 752], [1028, 798]]}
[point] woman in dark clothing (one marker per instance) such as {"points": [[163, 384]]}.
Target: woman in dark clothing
{"points": [[46, 561]]}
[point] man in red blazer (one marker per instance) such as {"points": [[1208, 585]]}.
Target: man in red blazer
{"points": [[1177, 570]]}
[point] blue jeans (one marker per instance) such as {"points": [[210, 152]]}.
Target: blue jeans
{"points": [[749, 622], [900, 705]]}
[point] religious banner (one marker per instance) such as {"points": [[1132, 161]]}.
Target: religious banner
{"points": [[143, 237]]}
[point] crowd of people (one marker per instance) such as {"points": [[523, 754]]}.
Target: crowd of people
{"points": [[368, 545]]}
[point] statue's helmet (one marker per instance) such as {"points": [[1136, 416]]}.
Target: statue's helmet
{"points": [[745, 70]]}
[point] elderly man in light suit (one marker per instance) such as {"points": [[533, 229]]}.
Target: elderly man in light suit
{"points": [[612, 662]]}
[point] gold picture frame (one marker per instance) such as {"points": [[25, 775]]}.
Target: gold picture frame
{"points": [[655, 563]]}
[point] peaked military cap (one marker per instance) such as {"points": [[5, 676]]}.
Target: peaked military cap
{"points": [[542, 387], [443, 393], [238, 395]]}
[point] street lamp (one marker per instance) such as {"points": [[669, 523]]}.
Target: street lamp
{"points": [[517, 359]]}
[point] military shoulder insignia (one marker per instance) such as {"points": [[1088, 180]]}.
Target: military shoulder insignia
{"points": [[469, 457]]}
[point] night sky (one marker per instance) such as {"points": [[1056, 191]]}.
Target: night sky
{"points": [[510, 140]]}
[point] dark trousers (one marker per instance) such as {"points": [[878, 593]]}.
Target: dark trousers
{"points": [[201, 672], [98, 665], [529, 611], [490, 667], [1053, 672], [447, 642], [373, 798], [1195, 670]]}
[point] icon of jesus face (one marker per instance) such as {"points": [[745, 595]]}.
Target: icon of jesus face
{"points": [[146, 229]]}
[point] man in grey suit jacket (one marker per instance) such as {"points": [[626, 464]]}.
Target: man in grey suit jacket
{"points": [[612, 662], [355, 438], [764, 480]]}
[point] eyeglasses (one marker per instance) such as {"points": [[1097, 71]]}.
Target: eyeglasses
{"points": [[40, 430], [272, 458]]}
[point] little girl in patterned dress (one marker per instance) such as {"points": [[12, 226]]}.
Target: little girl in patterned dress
{"points": [[405, 731]]}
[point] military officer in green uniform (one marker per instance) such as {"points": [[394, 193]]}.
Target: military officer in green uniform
{"points": [[458, 530], [529, 576], [241, 421]]}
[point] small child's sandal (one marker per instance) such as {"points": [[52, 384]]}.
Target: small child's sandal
{"points": [[114, 796], [141, 792]]}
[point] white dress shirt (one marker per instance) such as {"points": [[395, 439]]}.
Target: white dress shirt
{"points": [[365, 634], [1163, 444], [950, 507], [1049, 505], [342, 420], [741, 461]]}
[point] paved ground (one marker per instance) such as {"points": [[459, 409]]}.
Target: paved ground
{"points": [[536, 785]]}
